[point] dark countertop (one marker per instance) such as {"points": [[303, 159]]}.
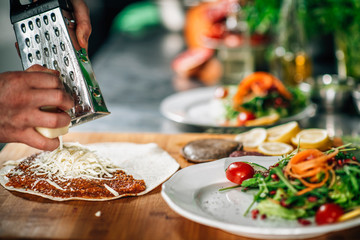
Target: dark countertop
{"points": [[135, 76]]}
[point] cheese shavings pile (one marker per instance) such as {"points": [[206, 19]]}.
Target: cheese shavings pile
{"points": [[73, 160]]}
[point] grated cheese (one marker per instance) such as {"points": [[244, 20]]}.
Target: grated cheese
{"points": [[98, 214], [73, 160], [61, 142], [54, 184], [115, 193]]}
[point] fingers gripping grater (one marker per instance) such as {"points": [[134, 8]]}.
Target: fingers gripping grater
{"points": [[45, 32]]}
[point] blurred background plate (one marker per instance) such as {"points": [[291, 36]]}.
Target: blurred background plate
{"points": [[192, 107]]}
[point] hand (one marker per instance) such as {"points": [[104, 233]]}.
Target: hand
{"points": [[82, 18], [22, 94]]}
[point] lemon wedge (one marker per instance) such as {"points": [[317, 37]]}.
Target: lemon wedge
{"points": [[252, 138], [349, 215], [283, 133], [275, 148], [312, 138], [266, 120]]}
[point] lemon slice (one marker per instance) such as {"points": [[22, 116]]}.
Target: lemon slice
{"points": [[312, 138], [275, 148], [267, 120], [252, 138], [283, 133]]}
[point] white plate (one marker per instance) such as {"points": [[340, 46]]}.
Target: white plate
{"points": [[192, 107], [193, 193]]}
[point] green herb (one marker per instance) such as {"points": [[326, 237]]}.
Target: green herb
{"points": [[277, 196]]}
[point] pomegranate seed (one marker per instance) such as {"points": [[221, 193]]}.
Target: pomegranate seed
{"points": [[283, 203], [354, 158], [275, 177], [304, 221], [254, 213], [263, 216], [312, 198], [272, 192]]}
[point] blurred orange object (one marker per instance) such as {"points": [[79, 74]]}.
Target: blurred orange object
{"points": [[207, 20], [197, 24], [259, 83]]}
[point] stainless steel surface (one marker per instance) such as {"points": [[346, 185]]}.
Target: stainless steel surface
{"points": [[356, 98], [49, 39], [332, 92]]}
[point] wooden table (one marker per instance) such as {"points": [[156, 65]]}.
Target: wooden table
{"points": [[146, 217]]}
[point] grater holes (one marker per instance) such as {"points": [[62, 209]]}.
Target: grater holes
{"points": [[31, 25], [54, 49], [46, 52], [77, 96], [30, 57], [23, 28], [46, 20], [37, 38], [62, 46], [47, 35], [56, 65], [53, 17], [38, 55], [38, 22], [57, 32], [27, 42], [66, 61], [71, 74]]}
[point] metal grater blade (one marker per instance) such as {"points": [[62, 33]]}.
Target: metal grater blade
{"points": [[49, 39]]}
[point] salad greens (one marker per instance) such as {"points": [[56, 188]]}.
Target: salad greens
{"points": [[274, 102], [277, 193]]}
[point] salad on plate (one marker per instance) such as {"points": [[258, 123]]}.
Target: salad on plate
{"points": [[259, 99], [307, 185]]}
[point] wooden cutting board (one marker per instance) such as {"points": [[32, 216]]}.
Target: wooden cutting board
{"points": [[145, 217]]}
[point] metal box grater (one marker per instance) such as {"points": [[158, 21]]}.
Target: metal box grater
{"points": [[45, 32]]}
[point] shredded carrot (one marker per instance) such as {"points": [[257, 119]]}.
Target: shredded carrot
{"points": [[306, 166], [259, 84]]}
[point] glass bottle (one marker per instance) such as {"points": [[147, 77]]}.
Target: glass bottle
{"points": [[290, 60], [237, 59]]}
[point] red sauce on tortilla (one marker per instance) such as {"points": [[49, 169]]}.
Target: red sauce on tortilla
{"points": [[73, 187]]}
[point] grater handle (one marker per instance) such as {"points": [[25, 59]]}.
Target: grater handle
{"points": [[20, 11]]}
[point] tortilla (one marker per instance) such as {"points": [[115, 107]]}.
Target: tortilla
{"points": [[143, 161]]}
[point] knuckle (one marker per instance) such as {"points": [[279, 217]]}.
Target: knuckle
{"points": [[53, 121], [60, 96], [55, 81], [46, 144]]}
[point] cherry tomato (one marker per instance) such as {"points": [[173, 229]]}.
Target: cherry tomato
{"points": [[245, 116], [328, 213], [237, 172], [221, 92]]}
